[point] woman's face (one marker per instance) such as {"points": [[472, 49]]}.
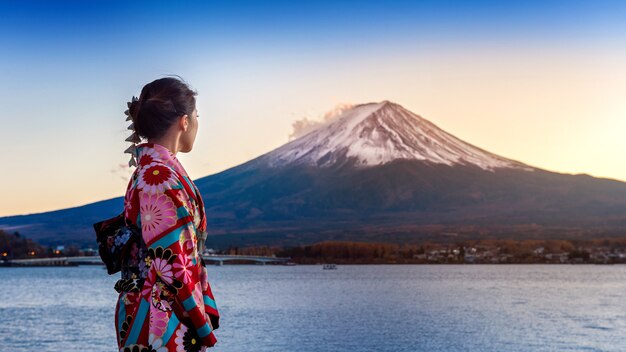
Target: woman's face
{"points": [[188, 138]]}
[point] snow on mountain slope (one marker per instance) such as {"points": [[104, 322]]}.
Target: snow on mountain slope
{"points": [[377, 133]]}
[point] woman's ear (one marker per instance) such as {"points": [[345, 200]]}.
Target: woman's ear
{"points": [[184, 122]]}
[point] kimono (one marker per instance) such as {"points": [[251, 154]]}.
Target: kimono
{"points": [[165, 301]]}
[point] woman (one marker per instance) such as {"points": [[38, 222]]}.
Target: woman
{"points": [[165, 301]]}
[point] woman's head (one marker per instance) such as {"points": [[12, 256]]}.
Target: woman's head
{"points": [[166, 113]]}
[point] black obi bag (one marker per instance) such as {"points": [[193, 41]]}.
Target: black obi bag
{"points": [[115, 238]]}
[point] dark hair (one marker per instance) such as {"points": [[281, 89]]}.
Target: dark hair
{"points": [[160, 104]]}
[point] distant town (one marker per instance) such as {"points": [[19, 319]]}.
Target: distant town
{"points": [[596, 251], [605, 251]]}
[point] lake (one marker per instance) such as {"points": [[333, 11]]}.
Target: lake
{"points": [[354, 308]]}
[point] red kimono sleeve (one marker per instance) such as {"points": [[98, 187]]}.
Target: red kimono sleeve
{"points": [[168, 229]]}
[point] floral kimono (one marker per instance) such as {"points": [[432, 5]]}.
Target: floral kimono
{"points": [[165, 301]]}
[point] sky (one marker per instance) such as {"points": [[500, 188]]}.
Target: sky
{"points": [[541, 82]]}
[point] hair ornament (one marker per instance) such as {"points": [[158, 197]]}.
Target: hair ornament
{"points": [[134, 99], [131, 149], [134, 137]]}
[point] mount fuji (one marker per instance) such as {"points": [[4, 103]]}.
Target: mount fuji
{"points": [[376, 172], [379, 133]]}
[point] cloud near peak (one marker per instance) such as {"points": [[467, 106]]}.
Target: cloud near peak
{"points": [[305, 125]]}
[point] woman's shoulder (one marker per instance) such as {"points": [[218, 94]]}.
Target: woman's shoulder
{"points": [[158, 175], [149, 181]]}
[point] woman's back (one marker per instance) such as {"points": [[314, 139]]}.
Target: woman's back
{"points": [[165, 298]]}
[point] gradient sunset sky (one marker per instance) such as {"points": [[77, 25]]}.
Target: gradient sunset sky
{"points": [[541, 82]]}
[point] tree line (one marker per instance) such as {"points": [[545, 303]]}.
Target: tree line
{"points": [[346, 252], [15, 246]]}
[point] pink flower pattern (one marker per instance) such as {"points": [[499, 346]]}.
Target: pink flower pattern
{"points": [[158, 214], [163, 270], [184, 269], [158, 321]]}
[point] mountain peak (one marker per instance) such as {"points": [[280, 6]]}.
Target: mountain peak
{"points": [[376, 133]]}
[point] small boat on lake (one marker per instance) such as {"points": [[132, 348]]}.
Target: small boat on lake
{"points": [[330, 267]]}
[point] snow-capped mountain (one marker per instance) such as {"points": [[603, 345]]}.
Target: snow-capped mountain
{"points": [[376, 172], [377, 133]]}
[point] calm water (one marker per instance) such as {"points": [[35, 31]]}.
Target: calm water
{"points": [[353, 308]]}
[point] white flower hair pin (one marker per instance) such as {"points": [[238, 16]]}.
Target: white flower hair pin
{"points": [[134, 137]]}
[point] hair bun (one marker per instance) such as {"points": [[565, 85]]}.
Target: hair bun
{"points": [[159, 105]]}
